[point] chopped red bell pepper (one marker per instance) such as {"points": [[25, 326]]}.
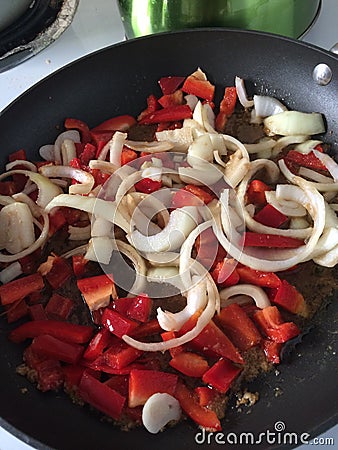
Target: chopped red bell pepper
{"points": [[79, 264], [221, 375], [225, 273], [146, 329], [212, 341], [97, 290], [32, 359], [30, 263], [251, 239], [152, 106], [229, 100], [169, 114], [190, 364], [49, 375], [18, 155], [57, 220], [239, 327], [59, 307], [201, 88], [140, 308], [271, 217], [87, 154], [120, 384], [202, 193], [72, 375], [166, 336], [100, 342], [118, 123], [101, 396], [100, 139], [256, 192], [258, 277], [127, 156], [37, 312], [116, 323], [209, 252], [148, 185], [289, 298], [190, 405], [20, 288], [169, 85], [206, 394], [18, 179], [55, 348], [122, 305], [176, 98], [69, 332], [56, 270], [271, 323], [119, 355], [7, 188], [144, 383], [16, 311], [82, 127], [309, 160], [272, 350], [182, 198]]}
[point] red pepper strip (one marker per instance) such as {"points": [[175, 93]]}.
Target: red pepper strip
{"points": [[118, 123], [101, 396], [201, 88], [79, 264], [72, 375], [146, 329], [147, 185], [251, 239], [100, 139], [170, 114], [225, 274], [272, 350], [87, 154], [206, 395], [182, 197], [100, 342], [59, 273], [96, 290], [144, 383], [37, 312], [16, 311], [256, 192], [271, 323], [59, 307], [228, 101], [68, 332], [289, 298], [209, 252], [221, 375], [56, 221], [82, 127], [200, 192], [271, 217], [176, 98], [258, 277], [54, 348], [309, 160], [239, 327], [190, 405], [20, 288], [119, 355], [190, 364], [166, 336], [212, 341], [116, 323], [152, 106], [127, 156], [169, 85]]}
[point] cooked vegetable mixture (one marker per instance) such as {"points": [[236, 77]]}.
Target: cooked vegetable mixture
{"points": [[154, 265]]}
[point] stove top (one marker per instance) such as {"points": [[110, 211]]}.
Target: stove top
{"points": [[97, 25]]}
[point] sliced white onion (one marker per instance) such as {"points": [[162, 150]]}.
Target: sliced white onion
{"points": [[307, 146], [290, 123], [329, 259], [329, 163], [286, 207], [314, 176], [267, 106], [285, 141], [180, 138], [235, 169], [79, 233], [35, 209], [101, 227], [16, 227], [68, 151], [205, 175], [241, 92], [115, 147], [158, 410], [200, 151], [204, 116], [104, 166], [150, 147], [24, 164], [47, 152], [10, 272], [191, 101], [255, 292], [167, 274], [85, 180], [100, 249], [262, 145]]}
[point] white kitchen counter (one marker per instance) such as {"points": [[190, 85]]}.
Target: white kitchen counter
{"points": [[97, 25]]}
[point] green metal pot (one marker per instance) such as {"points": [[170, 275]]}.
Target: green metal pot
{"points": [[286, 17]]}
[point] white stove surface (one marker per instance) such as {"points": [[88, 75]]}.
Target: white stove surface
{"points": [[97, 25]]}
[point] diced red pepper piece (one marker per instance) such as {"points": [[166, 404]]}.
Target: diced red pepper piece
{"points": [[100, 139], [18, 179], [119, 355], [272, 350], [239, 327], [59, 307], [190, 364], [209, 252], [75, 162], [146, 329], [206, 395], [56, 221], [30, 263], [118, 123], [220, 121], [271, 217], [169, 85], [182, 198], [309, 160], [120, 384], [72, 375], [169, 114], [49, 375], [166, 336], [190, 323], [127, 156], [258, 277], [69, 332], [221, 375], [225, 274], [55, 348], [122, 305], [152, 106], [201, 88], [256, 192], [16, 311], [18, 155], [251, 239], [144, 383], [97, 290], [229, 100], [20, 288], [34, 298], [32, 359], [7, 188], [148, 185], [82, 127], [101, 396], [200, 192], [212, 341], [100, 342], [56, 270], [176, 98], [289, 298], [87, 154], [79, 263], [190, 405], [116, 323], [37, 312], [140, 308], [271, 323]]}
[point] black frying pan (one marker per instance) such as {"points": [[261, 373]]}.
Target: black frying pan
{"points": [[116, 81]]}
